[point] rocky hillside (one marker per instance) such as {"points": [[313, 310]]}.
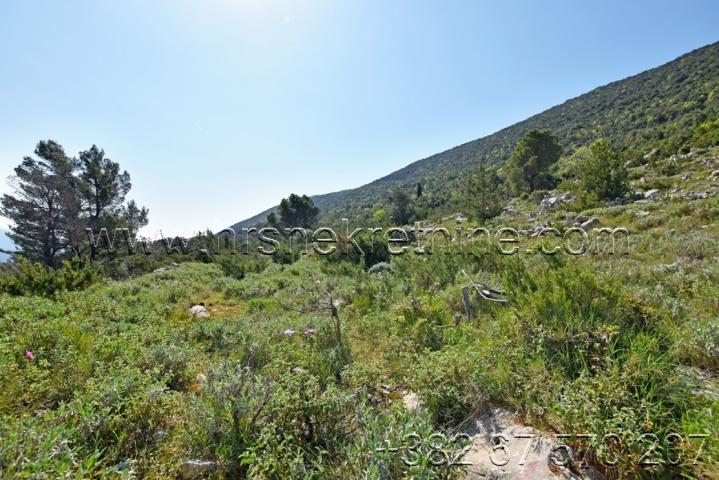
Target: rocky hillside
{"points": [[660, 106]]}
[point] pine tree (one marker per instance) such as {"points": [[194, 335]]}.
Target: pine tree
{"points": [[401, 207], [482, 196], [528, 167], [45, 206], [56, 198]]}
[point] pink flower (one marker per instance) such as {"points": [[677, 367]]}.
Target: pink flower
{"points": [[309, 330], [289, 332], [29, 355]]}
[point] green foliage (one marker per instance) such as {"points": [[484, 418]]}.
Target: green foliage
{"points": [[400, 207], [28, 278], [103, 189], [295, 211], [56, 198], [482, 197], [44, 206], [300, 369], [237, 265], [528, 167], [656, 108], [706, 134], [601, 171]]}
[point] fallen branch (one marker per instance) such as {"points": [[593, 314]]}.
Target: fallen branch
{"points": [[485, 291]]}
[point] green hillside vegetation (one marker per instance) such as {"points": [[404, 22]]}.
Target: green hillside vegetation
{"points": [[596, 344], [660, 108], [306, 365]]}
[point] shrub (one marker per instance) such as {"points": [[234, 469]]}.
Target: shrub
{"points": [[28, 278], [601, 171]]}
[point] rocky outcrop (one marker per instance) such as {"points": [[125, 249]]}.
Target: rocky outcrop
{"points": [[500, 450]]}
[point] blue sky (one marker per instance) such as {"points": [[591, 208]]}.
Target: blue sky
{"points": [[220, 108]]}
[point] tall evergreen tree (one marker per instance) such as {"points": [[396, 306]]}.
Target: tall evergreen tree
{"points": [[56, 198], [103, 188], [528, 167], [401, 207], [482, 195], [44, 207]]}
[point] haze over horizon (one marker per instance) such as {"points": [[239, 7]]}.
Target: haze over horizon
{"points": [[240, 103]]}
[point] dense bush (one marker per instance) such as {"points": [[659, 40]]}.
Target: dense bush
{"points": [[29, 278]]}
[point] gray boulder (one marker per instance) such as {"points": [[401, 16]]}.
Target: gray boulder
{"points": [[697, 195], [652, 194], [549, 202], [193, 469], [589, 224], [199, 311], [543, 460]]}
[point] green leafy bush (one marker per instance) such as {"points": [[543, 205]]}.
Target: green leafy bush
{"points": [[28, 278]]}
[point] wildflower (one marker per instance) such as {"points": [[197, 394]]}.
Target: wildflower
{"points": [[29, 355], [289, 332], [309, 330]]}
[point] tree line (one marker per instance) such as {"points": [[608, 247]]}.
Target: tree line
{"points": [[595, 173], [56, 197]]}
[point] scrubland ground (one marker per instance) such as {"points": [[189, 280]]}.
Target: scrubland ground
{"points": [[119, 381]]}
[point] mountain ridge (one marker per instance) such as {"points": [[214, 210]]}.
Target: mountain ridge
{"points": [[650, 106]]}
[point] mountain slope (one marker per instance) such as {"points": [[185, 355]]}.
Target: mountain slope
{"points": [[657, 106]]}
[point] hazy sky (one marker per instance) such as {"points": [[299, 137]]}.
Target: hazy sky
{"points": [[220, 108]]}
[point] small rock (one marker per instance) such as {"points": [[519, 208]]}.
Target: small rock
{"points": [[549, 202], [651, 155], [538, 230], [566, 197], [166, 268], [199, 311], [652, 194], [589, 224], [581, 218], [192, 469], [697, 195], [411, 401]]}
